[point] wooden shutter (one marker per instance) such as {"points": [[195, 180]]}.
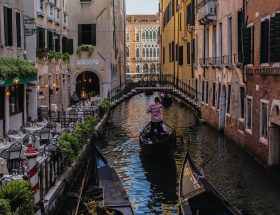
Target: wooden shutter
{"points": [[188, 53], [247, 46], [177, 52], [70, 48], [264, 41], [18, 27], [239, 28], [50, 40], [272, 39], [277, 37], [181, 55], [93, 34], [79, 35]]}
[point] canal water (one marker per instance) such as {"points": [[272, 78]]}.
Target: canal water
{"points": [[152, 185]]}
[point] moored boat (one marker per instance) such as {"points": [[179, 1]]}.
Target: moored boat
{"points": [[114, 194], [197, 196], [166, 100], [158, 145]]}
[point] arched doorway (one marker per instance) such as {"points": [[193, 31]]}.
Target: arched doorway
{"points": [[87, 85], [223, 108], [153, 68]]}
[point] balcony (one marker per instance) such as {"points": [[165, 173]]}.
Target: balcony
{"points": [[206, 11], [215, 62], [204, 62], [227, 61], [238, 59]]}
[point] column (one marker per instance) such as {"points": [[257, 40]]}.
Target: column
{"points": [[7, 111]]}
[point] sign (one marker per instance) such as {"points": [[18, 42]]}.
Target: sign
{"points": [[88, 62], [30, 31]]}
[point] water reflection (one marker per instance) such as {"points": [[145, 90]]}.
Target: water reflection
{"points": [[153, 185]]}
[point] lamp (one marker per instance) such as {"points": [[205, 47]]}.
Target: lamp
{"points": [[46, 86], [16, 80], [78, 70], [102, 70], [37, 86], [8, 93]]}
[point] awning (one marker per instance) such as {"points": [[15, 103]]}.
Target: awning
{"points": [[23, 79]]}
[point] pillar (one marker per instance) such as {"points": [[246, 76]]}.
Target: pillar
{"points": [[31, 154], [7, 111]]}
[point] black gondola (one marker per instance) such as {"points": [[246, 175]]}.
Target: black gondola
{"points": [[166, 100], [158, 145], [197, 196], [114, 194]]}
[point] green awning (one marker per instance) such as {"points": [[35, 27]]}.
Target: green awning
{"points": [[23, 79]]}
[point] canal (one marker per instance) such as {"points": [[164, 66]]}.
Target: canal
{"points": [[152, 185]]}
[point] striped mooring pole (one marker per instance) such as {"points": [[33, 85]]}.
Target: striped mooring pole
{"points": [[31, 154]]}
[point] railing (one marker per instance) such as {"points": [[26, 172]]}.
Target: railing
{"points": [[163, 83], [204, 61], [49, 170], [227, 60]]}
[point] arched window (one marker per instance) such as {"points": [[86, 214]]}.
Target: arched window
{"points": [[157, 51], [127, 51], [151, 52], [137, 68], [137, 52], [143, 52], [154, 35], [145, 68], [143, 35], [154, 52], [127, 69], [147, 35], [147, 52], [150, 35]]}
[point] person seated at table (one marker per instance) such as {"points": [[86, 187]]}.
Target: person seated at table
{"points": [[156, 117]]}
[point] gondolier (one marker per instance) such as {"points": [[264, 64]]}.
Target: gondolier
{"points": [[156, 117]]}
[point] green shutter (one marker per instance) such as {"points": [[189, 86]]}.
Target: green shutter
{"points": [[277, 37], [272, 39]]}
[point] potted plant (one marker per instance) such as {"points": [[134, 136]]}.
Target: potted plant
{"points": [[42, 53], [51, 55], [85, 48], [58, 55], [66, 57]]}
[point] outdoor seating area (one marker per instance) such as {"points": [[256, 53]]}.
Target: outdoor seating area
{"points": [[42, 135]]}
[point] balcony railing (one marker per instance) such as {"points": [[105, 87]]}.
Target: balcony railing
{"points": [[206, 11], [216, 61], [227, 60], [204, 61], [238, 59]]}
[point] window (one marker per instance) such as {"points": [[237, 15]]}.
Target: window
{"points": [[154, 52], [143, 52], [240, 16], [82, 1], [158, 52], [18, 27], [181, 55], [221, 39], [207, 44], [87, 34], [242, 101], [143, 36], [264, 119], [202, 91], [264, 41], [207, 88], [40, 38], [50, 40], [274, 37], [137, 52], [249, 107], [154, 35], [172, 51], [137, 35], [189, 53], [177, 52], [127, 51], [127, 69], [228, 98], [214, 95], [8, 26], [219, 95], [229, 38], [214, 41], [16, 99], [64, 42], [57, 42], [249, 45], [180, 22], [2, 104]]}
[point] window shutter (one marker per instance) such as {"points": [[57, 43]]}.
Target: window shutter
{"points": [[272, 39], [93, 32], [6, 25], [247, 46], [181, 55], [188, 53], [79, 35], [240, 25], [264, 41], [277, 37], [70, 48]]}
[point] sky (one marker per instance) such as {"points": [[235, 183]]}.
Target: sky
{"points": [[141, 6]]}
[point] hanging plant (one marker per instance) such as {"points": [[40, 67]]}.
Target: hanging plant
{"points": [[15, 66], [58, 55], [66, 57], [85, 48], [51, 55]]}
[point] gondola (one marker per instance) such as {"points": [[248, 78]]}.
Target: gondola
{"points": [[114, 194], [197, 196], [161, 145], [149, 93], [166, 100]]}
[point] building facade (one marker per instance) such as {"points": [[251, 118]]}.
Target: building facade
{"points": [[14, 88], [262, 69], [142, 47], [44, 46], [97, 29], [176, 37]]}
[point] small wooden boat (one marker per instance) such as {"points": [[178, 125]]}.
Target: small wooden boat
{"points": [[197, 196], [114, 194], [161, 145]]}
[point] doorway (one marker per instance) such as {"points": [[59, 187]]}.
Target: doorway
{"points": [[87, 85], [223, 109], [274, 149]]}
